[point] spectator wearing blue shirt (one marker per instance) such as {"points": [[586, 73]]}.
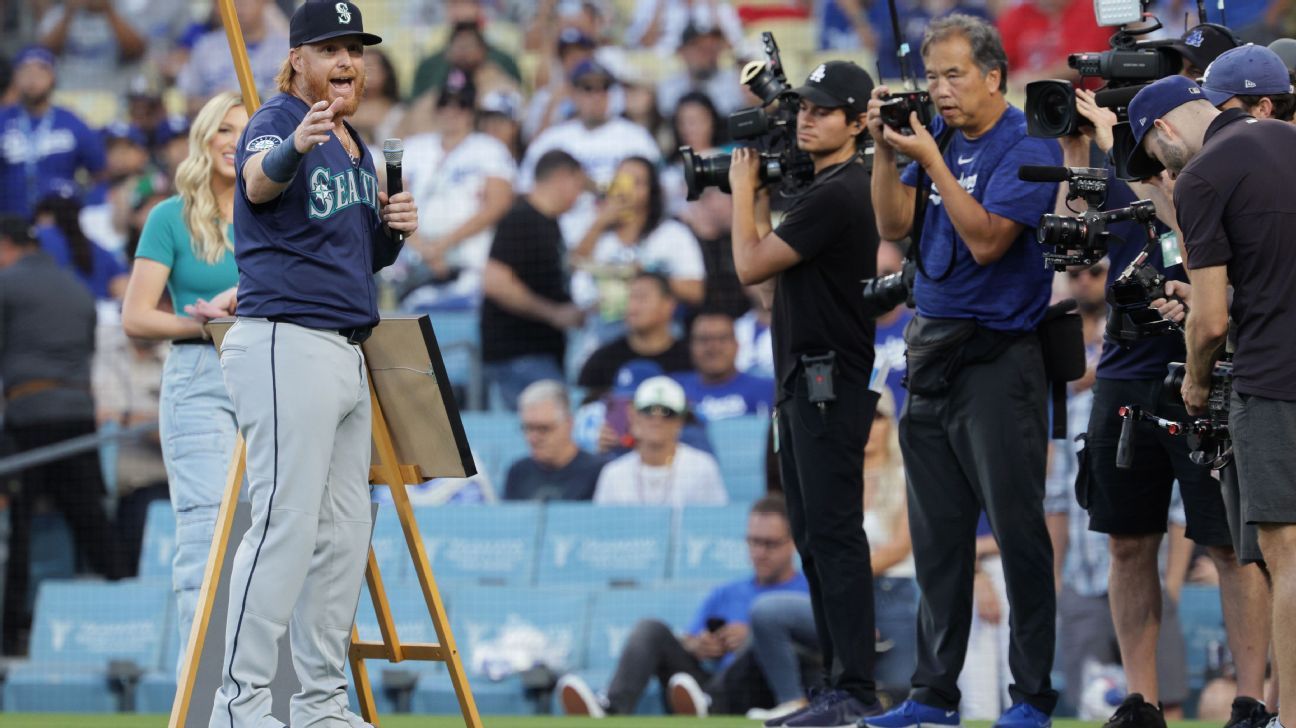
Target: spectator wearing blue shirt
{"points": [[973, 429], [556, 468], [851, 24], [58, 228], [716, 389], [714, 651], [42, 146]]}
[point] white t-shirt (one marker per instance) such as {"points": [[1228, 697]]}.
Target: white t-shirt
{"points": [[692, 478], [599, 151], [679, 14], [448, 188], [671, 249]]}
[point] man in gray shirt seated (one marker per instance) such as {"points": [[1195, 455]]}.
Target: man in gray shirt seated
{"points": [[556, 469], [47, 334]]}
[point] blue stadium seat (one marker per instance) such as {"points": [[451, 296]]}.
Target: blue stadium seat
{"points": [[158, 547], [1203, 624], [740, 449], [413, 624], [496, 438], [157, 688], [482, 544], [604, 545], [711, 545], [491, 623], [53, 552], [79, 628], [458, 335], [614, 613]]}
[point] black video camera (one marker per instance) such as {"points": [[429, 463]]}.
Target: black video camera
{"points": [[773, 132], [897, 107], [1081, 240], [1131, 316], [884, 293]]}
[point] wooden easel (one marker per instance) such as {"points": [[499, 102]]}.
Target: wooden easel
{"points": [[388, 470]]}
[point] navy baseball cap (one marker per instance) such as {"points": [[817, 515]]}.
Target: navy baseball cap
{"points": [[1250, 70], [37, 53], [318, 20], [1155, 101], [120, 130], [838, 84], [590, 68]]}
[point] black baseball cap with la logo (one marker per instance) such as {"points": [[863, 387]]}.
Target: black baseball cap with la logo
{"points": [[319, 20], [838, 84]]}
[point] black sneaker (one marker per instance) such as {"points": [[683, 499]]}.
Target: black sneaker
{"points": [[1135, 712], [1248, 713]]}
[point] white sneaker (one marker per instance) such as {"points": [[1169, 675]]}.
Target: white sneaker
{"points": [[577, 698], [782, 710], [686, 696]]}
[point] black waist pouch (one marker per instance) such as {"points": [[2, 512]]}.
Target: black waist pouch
{"points": [[1061, 336], [936, 349]]}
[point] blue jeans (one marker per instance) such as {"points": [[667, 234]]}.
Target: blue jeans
{"points": [[511, 376], [782, 625], [196, 421]]}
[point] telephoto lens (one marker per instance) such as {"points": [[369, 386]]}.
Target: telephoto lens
{"points": [[702, 172]]}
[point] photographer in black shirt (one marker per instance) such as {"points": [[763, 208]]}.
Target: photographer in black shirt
{"points": [[823, 357]]}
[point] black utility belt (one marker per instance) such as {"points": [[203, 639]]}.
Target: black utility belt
{"points": [[355, 335], [195, 341]]}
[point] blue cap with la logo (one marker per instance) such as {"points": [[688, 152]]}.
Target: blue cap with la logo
{"points": [[320, 20]]}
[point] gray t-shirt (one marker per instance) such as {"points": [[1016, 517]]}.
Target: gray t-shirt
{"points": [[47, 333]]}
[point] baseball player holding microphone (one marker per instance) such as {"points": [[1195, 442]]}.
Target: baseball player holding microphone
{"points": [[311, 228]]}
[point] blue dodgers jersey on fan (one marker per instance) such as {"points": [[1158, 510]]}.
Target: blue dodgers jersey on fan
{"points": [[40, 156], [1145, 359], [744, 394], [732, 602], [307, 256], [1011, 293]]}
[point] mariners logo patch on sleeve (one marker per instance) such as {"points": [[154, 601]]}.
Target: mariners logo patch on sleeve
{"points": [[262, 143]]}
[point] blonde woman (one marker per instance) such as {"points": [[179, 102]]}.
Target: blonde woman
{"points": [[187, 249]]}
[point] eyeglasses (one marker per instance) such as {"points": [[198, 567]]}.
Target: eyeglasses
{"points": [[1094, 271], [657, 410], [538, 428], [765, 543]]}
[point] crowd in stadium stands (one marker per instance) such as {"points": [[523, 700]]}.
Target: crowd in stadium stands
{"points": [[597, 311]]}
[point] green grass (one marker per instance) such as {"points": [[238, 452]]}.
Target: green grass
{"points": [[33, 720]]}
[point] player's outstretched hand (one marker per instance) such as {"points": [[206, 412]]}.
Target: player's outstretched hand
{"points": [[399, 213], [315, 127]]}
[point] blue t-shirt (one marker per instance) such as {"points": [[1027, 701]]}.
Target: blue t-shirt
{"points": [[732, 602], [104, 266], [39, 156], [1146, 358], [1011, 293], [309, 255], [744, 394], [889, 352]]}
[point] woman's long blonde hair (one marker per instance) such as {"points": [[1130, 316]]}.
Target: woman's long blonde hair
{"points": [[193, 181]]}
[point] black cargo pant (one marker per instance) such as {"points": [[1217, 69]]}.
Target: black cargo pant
{"points": [[981, 446], [821, 459]]}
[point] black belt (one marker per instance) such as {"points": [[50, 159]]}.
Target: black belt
{"points": [[354, 336], [196, 341]]}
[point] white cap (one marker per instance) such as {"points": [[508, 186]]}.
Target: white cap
{"points": [[661, 391]]}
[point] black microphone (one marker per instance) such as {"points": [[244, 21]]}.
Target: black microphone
{"points": [[1043, 173], [1117, 98], [393, 150]]}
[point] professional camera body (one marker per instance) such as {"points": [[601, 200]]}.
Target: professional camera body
{"points": [[1131, 316], [771, 127], [897, 107], [1081, 240]]}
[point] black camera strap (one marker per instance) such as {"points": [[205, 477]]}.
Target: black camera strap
{"points": [[922, 190]]}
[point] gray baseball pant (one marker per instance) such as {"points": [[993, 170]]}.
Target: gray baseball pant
{"points": [[301, 397]]}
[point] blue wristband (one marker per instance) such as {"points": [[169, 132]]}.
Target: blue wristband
{"points": [[281, 162]]}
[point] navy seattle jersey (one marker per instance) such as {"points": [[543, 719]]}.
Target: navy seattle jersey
{"points": [[308, 256]]}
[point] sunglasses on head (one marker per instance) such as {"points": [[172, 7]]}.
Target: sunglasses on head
{"points": [[657, 410], [1094, 271]]}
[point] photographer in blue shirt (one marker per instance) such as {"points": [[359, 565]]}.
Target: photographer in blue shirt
{"points": [[974, 427]]}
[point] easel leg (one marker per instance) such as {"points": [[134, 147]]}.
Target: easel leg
{"points": [[210, 585], [364, 691]]}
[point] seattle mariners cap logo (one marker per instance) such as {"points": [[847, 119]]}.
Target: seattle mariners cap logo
{"points": [[1194, 39], [818, 75], [344, 13]]}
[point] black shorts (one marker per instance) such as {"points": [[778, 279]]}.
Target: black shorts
{"points": [[1137, 501]]}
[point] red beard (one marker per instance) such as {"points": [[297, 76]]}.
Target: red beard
{"points": [[318, 88]]}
